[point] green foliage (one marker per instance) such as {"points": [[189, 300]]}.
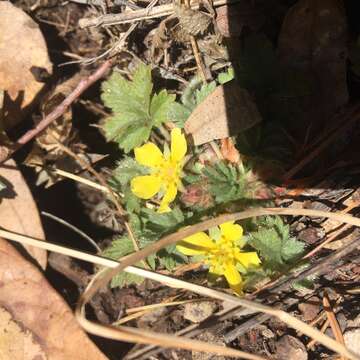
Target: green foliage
{"points": [[225, 77], [136, 110], [273, 242], [119, 248], [148, 226], [126, 170], [226, 182]]}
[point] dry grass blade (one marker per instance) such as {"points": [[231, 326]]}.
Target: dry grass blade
{"points": [[335, 327], [137, 335]]}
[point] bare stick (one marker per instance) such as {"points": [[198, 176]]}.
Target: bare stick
{"points": [[143, 14], [58, 111]]}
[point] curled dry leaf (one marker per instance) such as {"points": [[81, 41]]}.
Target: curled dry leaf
{"points": [[46, 323], [228, 110], [313, 39], [23, 53], [193, 22], [18, 211]]}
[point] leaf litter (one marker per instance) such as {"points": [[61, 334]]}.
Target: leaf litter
{"points": [[288, 76]]}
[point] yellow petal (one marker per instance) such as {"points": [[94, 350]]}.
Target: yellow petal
{"points": [[248, 259], [178, 145], [231, 231], [149, 155], [196, 244], [169, 197], [145, 187], [233, 278]]}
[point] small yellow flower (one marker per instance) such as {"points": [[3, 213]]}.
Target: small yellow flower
{"points": [[165, 170], [222, 255]]}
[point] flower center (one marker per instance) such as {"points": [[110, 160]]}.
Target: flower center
{"points": [[224, 253], [169, 172]]}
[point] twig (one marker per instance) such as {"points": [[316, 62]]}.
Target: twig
{"points": [[335, 327], [138, 15], [199, 62], [59, 110]]}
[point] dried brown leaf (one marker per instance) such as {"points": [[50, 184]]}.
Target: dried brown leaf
{"points": [[227, 111], [192, 22], [40, 312], [313, 39], [18, 211], [22, 51]]}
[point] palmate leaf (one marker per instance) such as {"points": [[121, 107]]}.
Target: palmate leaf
{"points": [[136, 110], [226, 183], [275, 245]]}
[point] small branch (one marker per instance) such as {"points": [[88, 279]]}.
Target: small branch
{"points": [[58, 111], [143, 14]]}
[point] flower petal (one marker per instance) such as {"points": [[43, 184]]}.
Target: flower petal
{"points": [[233, 278], [169, 197], [178, 145], [231, 231], [248, 259], [145, 187], [149, 155], [196, 244]]}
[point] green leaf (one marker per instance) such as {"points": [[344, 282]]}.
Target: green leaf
{"points": [[226, 183], [274, 243], [205, 90], [160, 106], [135, 109], [225, 77], [119, 248], [124, 279], [126, 170], [163, 222], [178, 114]]}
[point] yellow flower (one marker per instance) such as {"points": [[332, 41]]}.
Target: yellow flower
{"points": [[165, 170], [223, 255]]}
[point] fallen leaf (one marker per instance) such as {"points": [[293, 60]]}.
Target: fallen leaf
{"points": [[17, 343], [229, 151], [22, 50], [228, 110], [313, 39], [45, 320], [18, 211]]}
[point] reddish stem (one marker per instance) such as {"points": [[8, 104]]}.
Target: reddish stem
{"points": [[58, 111]]}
